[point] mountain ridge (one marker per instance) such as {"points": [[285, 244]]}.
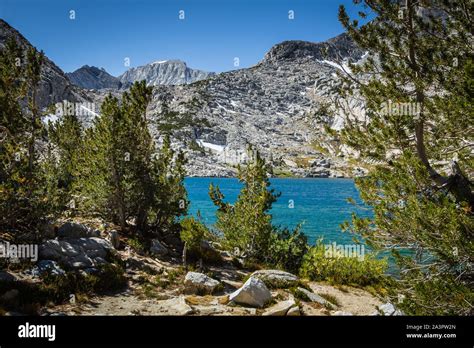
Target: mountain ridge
{"points": [[54, 85]]}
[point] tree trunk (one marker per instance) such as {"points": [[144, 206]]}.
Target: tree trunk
{"points": [[461, 187], [185, 261], [118, 197], [31, 143], [456, 183], [142, 220]]}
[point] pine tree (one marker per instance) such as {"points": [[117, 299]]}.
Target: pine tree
{"points": [[169, 194], [420, 55], [24, 203], [247, 225], [62, 155], [13, 128], [123, 177], [97, 164]]}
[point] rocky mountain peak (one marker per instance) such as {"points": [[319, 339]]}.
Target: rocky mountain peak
{"points": [[165, 72], [92, 77], [172, 61], [338, 48]]}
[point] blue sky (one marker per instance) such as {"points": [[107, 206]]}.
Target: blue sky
{"points": [[212, 34]]}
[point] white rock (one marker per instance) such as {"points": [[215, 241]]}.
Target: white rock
{"points": [[280, 309], [174, 306], [274, 278], [253, 293], [342, 313], [47, 267], [198, 283], [169, 72], [76, 253], [290, 163], [387, 309]]}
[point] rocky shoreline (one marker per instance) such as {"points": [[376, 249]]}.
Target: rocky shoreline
{"points": [[285, 168]]}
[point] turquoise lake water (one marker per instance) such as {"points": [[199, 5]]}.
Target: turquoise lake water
{"points": [[320, 204]]}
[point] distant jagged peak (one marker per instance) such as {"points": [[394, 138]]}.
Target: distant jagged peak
{"points": [[163, 62], [338, 48], [91, 68], [163, 72], [174, 61], [92, 77]]}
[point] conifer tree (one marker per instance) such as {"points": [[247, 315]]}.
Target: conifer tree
{"points": [[23, 201], [247, 226], [420, 179], [63, 151], [124, 177]]}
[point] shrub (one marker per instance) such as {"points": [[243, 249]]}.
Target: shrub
{"points": [[246, 224], [195, 236], [287, 249], [193, 233], [108, 277], [58, 289], [342, 270], [136, 244], [437, 296]]}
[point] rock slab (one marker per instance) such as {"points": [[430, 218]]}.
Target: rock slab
{"points": [[198, 283], [280, 309], [157, 248], [253, 293], [76, 230], [312, 297], [274, 278], [76, 253]]}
